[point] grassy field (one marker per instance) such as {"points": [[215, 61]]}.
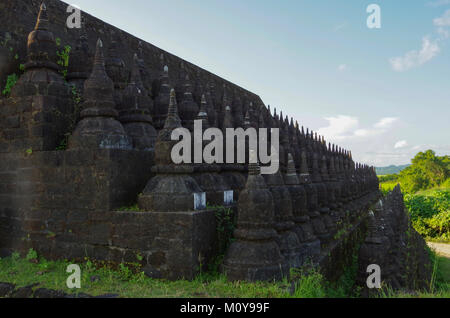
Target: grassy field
{"points": [[127, 281]]}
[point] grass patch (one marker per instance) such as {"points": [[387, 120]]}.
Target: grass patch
{"points": [[127, 280], [439, 286]]}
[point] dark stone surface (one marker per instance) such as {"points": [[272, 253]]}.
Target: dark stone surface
{"points": [[394, 245], [255, 255], [6, 289], [62, 203]]}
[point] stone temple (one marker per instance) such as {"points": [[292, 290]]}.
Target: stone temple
{"points": [[83, 139]]}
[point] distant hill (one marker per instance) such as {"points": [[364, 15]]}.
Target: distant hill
{"points": [[390, 170]]}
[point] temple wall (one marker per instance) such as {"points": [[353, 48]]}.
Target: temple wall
{"points": [[16, 26], [64, 203]]}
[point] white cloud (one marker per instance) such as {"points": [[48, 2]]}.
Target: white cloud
{"points": [[339, 127], [342, 67], [415, 58], [444, 20], [385, 122], [401, 144], [347, 127]]}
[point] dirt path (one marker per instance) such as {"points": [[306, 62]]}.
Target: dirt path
{"points": [[440, 248]]}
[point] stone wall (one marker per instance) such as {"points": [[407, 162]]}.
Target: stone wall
{"points": [[63, 203], [393, 244], [69, 162], [18, 18]]}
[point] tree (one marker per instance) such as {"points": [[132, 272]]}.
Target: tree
{"points": [[427, 171]]}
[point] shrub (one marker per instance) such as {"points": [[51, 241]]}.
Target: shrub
{"points": [[430, 214]]}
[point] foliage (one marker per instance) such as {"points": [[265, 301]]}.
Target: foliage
{"points": [[32, 255], [388, 178], [63, 56], [439, 286], [427, 186], [10, 83], [310, 284], [225, 225], [387, 187], [426, 172], [12, 79], [128, 280], [430, 214]]}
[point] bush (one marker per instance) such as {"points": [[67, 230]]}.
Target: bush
{"points": [[430, 214], [388, 177]]}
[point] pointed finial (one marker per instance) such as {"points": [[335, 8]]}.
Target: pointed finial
{"points": [[99, 59], [203, 114], [42, 22], [173, 120]]}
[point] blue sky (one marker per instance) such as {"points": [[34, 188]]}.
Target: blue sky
{"points": [[382, 93]]}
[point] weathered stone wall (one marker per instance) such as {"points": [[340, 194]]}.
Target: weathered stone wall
{"points": [[63, 203], [18, 18], [393, 244]]}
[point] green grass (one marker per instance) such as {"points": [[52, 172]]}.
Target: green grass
{"points": [[127, 281], [440, 286], [432, 192]]}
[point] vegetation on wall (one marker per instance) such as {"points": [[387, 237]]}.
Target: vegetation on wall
{"points": [[12, 79], [63, 54]]}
